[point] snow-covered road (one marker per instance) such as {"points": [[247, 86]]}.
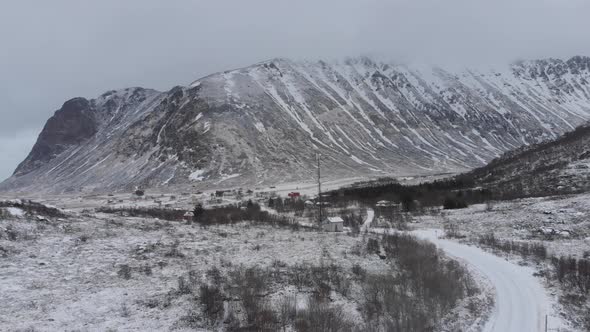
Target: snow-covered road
{"points": [[521, 302], [368, 220]]}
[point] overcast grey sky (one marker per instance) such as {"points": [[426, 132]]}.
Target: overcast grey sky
{"points": [[51, 51]]}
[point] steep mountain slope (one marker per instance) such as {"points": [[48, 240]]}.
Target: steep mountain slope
{"points": [[556, 167], [264, 124]]}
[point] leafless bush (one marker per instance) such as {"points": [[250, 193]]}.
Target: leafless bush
{"points": [[573, 273], [374, 289], [124, 271], [299, 275], [146, 269], [373, 246], [174, 251], [352, 220], [215, 276], [359, 272], [339, 280], [147, 212], [452, 230], [183, 286], [321, 317], [356, 249], [83, 238], [427, 287], [3, 252], [124, 311], [192, 319], [10, 233], [524, 249], [211, 299], [232, 214], [287, 311], [251, 285], [322, 290], [277, 263]]}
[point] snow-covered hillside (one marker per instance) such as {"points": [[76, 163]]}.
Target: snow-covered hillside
{"points": [[560, 166], [264, 124]]}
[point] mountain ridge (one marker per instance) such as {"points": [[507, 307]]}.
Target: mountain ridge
{"points": [[264, 124]]}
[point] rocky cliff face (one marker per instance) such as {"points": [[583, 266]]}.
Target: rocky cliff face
{"points": [[72, 124], [266, 122]]}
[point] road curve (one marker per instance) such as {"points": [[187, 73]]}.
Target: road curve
{"points": [[521, 302], [368, 220]]}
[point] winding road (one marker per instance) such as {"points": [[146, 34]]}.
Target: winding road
{"points": [[368, 220], [521, 302]]}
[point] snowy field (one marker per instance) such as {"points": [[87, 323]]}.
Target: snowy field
{"points": [[72, 275], [525, 219], [98, 272], [103, 272]]}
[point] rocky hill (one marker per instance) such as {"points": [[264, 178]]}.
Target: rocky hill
{"points": [[264, 124], [561, 166]]}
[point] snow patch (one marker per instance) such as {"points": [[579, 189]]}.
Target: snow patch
{"points": [[197, 175], [260, 126], [15, 212]]}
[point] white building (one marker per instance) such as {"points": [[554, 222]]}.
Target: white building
{"points": [[333, 224]]}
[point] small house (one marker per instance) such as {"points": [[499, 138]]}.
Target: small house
{"points": [[383, 203], [333, 224]]}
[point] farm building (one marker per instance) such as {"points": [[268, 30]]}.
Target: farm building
{"points": [[383, 204], [333, 224]]}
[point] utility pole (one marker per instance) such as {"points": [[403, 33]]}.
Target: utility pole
{"points": [[546, 321], [319, 188]]}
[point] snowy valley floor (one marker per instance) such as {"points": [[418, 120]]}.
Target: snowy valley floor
{"points": [[102, 272], [99, 272]]}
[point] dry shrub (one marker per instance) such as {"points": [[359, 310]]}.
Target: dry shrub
{"points": [[211, 299], [319, 316]]}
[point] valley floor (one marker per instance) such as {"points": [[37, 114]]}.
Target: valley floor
{"points": [[99, 272], [103, 272]]}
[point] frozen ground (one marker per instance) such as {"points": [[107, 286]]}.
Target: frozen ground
{"points": [[522, 219], [67, 275], [101, 272]]}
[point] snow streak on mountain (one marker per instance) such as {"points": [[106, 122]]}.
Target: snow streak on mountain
{"points": [[266, 122]]}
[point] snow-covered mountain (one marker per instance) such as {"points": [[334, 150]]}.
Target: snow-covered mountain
{"points": [[266, 122]]}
